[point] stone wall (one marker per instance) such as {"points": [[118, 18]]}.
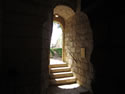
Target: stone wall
{"points": [[78, 35], [46, 37], [3, 76], [1, 17], [25, 53]]}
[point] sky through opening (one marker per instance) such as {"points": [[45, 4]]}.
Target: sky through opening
{"points": [[56, 33]]}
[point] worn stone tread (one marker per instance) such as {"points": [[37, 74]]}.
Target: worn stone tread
{"points": [[58, 65], [61, 74], [60, 69], [66, 80]]}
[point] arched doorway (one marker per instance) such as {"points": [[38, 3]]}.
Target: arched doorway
{"points": [[64, 12], [77, 45], [56, 38], [60, 71], [56, 44]]}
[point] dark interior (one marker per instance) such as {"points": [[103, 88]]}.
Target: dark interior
{"points": [[21, 45]]}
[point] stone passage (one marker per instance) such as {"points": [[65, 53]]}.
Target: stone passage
{"points": [[77, 49], [60, 74]]}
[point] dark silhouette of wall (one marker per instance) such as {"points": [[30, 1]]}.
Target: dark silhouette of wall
{"points": [[23, 68], [107, 21], [26, 31]]}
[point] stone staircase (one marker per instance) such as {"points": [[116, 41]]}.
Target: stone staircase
{"points": [[60, 74]]}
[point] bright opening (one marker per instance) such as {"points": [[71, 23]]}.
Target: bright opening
{"points": [[69, 86], [56, 41]]}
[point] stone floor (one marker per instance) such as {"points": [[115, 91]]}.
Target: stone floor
{"points": [[56, 61], [66, 89]]}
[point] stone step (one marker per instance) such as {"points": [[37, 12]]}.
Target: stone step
{"points": [[58, 65], [61, 75], [62, 81], [60, 69]]}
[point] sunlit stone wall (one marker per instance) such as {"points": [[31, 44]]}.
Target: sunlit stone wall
{"points": [[78, 34]]}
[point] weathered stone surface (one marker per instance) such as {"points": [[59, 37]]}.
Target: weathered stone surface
{"points": [[79, 36]]}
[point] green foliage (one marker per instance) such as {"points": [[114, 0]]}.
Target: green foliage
{"points": [[59, 51], [52, 51]]}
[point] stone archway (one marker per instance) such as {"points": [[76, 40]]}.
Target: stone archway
{"points": [[77, 43], [65, 13]]}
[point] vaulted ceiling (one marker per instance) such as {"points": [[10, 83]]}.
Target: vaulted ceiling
{"points": [[64, 11]]}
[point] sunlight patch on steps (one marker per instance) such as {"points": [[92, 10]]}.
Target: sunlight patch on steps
{"points": [[69, 86]]}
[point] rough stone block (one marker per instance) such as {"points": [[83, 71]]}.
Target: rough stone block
{"points": [[73, 50], [71, 44], [77, 51]]}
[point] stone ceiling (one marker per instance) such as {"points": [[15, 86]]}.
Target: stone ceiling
{"points": [[64, 11]]}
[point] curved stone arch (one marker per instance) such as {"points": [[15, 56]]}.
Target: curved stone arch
{"points": [[59, 20], [78, 23], [64, 11]]}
